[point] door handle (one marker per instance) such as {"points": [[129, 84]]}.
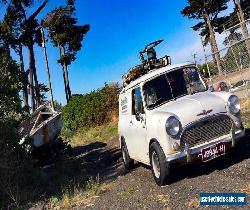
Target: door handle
{"points": [[131, 122]]}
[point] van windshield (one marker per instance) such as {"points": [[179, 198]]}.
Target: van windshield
{"points": [[172, 85]]}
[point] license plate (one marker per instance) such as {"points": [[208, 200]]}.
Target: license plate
{"points": [[213, 151]]}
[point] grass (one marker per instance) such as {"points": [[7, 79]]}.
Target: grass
{"points": [[126, 192], [72, 188], [80, 190], [102, 133], [245, 112], [76, 196], [247, 189], [79, 196], [194, 203]]}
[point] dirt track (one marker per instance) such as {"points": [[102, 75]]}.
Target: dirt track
{"points": [[137, 189]]}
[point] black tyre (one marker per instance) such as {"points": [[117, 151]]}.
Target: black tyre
{"points": [[127, 161], [159, 166]]}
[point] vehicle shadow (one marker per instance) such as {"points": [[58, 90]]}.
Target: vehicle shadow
{"points": [[94, 162], [87, 148], [235, 155], [100, 162]]}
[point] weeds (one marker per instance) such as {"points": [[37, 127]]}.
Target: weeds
{"points": [[53, 201], [73, 196], [126, 192]]}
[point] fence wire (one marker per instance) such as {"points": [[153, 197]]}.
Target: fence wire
{"points": [[233, 63]]}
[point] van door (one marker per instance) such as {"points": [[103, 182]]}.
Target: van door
{"points": [[138, 127]]}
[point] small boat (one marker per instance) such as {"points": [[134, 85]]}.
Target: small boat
{"points": [[43, 127]]}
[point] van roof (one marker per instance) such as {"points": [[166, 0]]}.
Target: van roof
{"points": [[155, 72]]}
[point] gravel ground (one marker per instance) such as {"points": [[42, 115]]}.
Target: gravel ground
{"points": [[137, 190]]}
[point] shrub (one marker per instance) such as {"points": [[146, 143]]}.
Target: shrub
{"points": [[95, 108], [12, 156]]}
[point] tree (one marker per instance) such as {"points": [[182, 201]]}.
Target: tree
{"points": [[29, 37], [15, 170], [23, 31], [231, 22], [232, 38], [67, 36], [207, 12], [241, 18], [9, 33], [10, 85], [10, 112]]}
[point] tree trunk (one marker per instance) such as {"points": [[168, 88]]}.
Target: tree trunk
{"points": [[67, 79], [32, 66], [213, 42], [25, 83], [64, 77], [243, 25], [67, 75], [31, 87]]}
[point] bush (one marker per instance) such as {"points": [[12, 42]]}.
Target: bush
{"points": [[95, 108], [12, 156]]}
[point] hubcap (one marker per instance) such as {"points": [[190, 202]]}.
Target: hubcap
{"points": [[156, 165]]}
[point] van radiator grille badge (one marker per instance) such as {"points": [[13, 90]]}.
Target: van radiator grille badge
{"points": [[206, 130]]}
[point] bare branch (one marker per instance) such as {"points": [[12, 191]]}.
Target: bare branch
{"points": [[39, 9]]}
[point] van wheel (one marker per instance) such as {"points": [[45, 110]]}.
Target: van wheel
{"points": [[159, 166], [127, 161]]}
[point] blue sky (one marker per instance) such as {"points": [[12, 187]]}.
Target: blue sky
{"points": [[119, 29]]}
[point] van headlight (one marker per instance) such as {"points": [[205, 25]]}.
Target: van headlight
{"points": [[233, 104], [173, 126]]}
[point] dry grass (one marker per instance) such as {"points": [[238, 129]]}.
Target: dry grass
{"points": [[246, 189], [126, 192], [80, 197], [245, 112], [245, 104], [194, 203], [83, 193], [234, 76], [103, 133]]}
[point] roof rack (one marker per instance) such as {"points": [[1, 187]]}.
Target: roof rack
{"points": [[149, 64]]}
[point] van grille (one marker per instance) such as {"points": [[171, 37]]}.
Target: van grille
{"points": [[206, 130]]}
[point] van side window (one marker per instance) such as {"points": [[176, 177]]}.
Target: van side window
{"points": [[137, 105]]}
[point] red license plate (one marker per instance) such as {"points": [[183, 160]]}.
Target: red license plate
{"points": [[213, 151]]}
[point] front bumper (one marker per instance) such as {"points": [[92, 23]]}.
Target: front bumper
{"points": [[194, 154]]}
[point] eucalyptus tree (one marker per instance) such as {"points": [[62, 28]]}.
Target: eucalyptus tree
{"points": [[67, 36], [207, 12]]}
